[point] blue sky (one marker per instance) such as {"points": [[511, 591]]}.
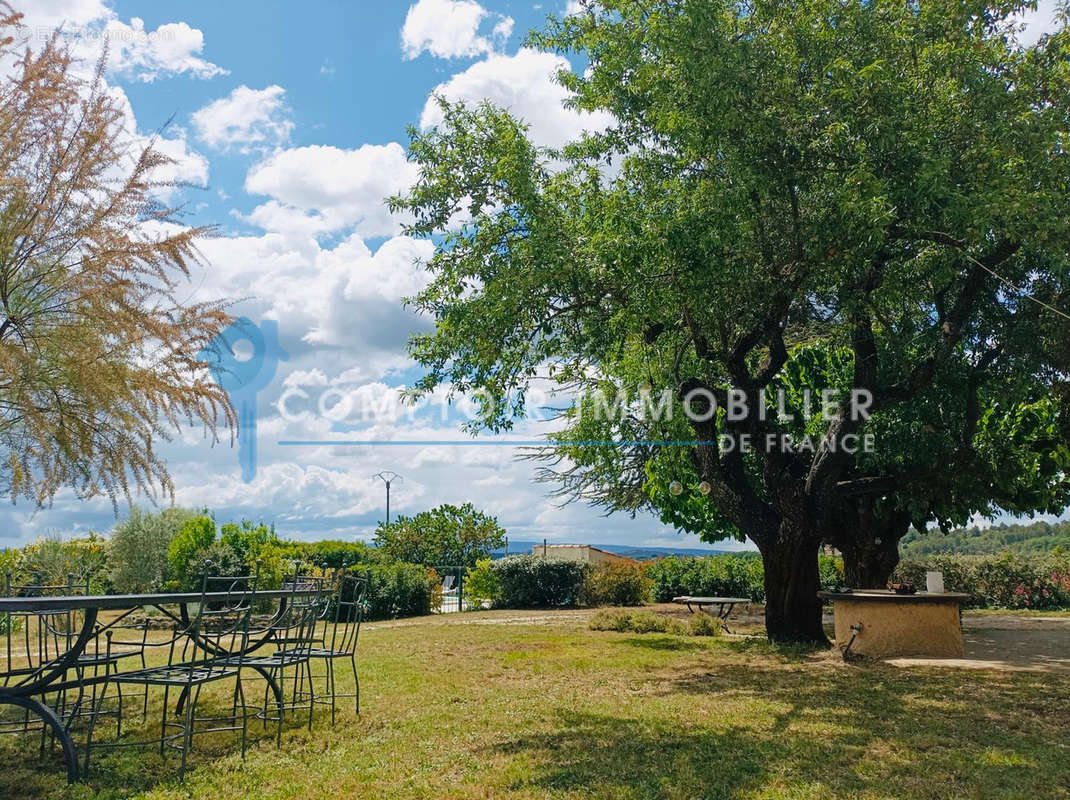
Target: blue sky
{"points": [[289, 123]]}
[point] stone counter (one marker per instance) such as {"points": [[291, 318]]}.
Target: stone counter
{"points": [[890, 624]]}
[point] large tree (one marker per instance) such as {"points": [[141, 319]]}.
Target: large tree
{"points": [[886, 179], [1017, 457], [98, 340]]}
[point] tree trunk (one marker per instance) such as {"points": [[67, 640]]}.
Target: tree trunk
{"points": [[792, 607], [870, 548]]}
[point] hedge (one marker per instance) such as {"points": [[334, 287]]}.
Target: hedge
{"points": [[529, 581], [333, 554], [725, 576], [616, 583], [1001, 581], [399, 590]]}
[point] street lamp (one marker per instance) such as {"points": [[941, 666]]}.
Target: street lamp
{"points": [[388, 478]]}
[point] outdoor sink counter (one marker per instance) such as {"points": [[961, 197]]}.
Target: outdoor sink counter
{"points": [[883, 623]]}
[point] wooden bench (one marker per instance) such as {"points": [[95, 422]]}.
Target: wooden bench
{"points": [[725, 605]]}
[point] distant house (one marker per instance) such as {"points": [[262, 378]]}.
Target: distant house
{"points": [[583, 553]]}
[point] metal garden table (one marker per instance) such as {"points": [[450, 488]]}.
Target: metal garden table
{"points": [[26, 687], [724, 605]]}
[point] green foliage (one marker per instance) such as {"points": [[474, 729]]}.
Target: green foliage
{"points": [[617, 583], [481, 582], [1034, 538], [711, 576], [332, 554], [138, 548], [237, 551], [703, 624], [870, 189], [54, 561], [998, 581], [444, 536], [649, 622], [725, 576], [529, 581], [400, 590], [246, 538], [189, 549], [9, 561]]}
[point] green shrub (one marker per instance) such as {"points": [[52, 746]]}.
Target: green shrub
{"points": [[138, 546], [188, 550], [481, 582], [617, 583], [710, 576], [445, 536], [529, 581], [1008, 580], [332, 554], [736, 575], [830, 572], [246, 538], [649, 622], [610, 620], [703, 624], [54, 561], [400, 590]]}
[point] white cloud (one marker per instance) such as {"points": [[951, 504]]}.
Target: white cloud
{"points": [[364, 310], [188, 167], [450, 29], [524, 84], [172, 49], [504, 28], [291, 490], [322, 188], [339, 305], [245, 117], [49, 14]]}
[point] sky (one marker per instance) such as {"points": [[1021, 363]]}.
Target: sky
{"points": [[288, 126]]}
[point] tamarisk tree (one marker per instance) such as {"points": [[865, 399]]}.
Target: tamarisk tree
{"points": [[886, 181], [98, 347]]}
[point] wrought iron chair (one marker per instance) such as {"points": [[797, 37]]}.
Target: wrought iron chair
{"points": [[343, 617], [35, 639], [209, 649], [292, 632], [112, 643], [54, 634]]}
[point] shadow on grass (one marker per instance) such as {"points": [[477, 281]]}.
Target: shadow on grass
{"points": [[126, 771], [622, 757], [788, 731]]}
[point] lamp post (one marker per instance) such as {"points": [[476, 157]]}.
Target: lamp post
{"points": [[388, 478]]}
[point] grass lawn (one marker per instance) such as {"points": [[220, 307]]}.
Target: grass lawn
{"points": [[525, 705]]}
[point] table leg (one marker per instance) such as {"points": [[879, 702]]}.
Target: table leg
{"points": [[59, 730], [723, 612], [25, 695]]}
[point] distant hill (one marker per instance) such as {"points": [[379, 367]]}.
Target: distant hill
{"points": [[631, 551], [1032, 538]]}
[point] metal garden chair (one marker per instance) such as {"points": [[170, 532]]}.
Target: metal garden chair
{"points": [[210, 649], [292, 631], [343, 617], [35, 639]]}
